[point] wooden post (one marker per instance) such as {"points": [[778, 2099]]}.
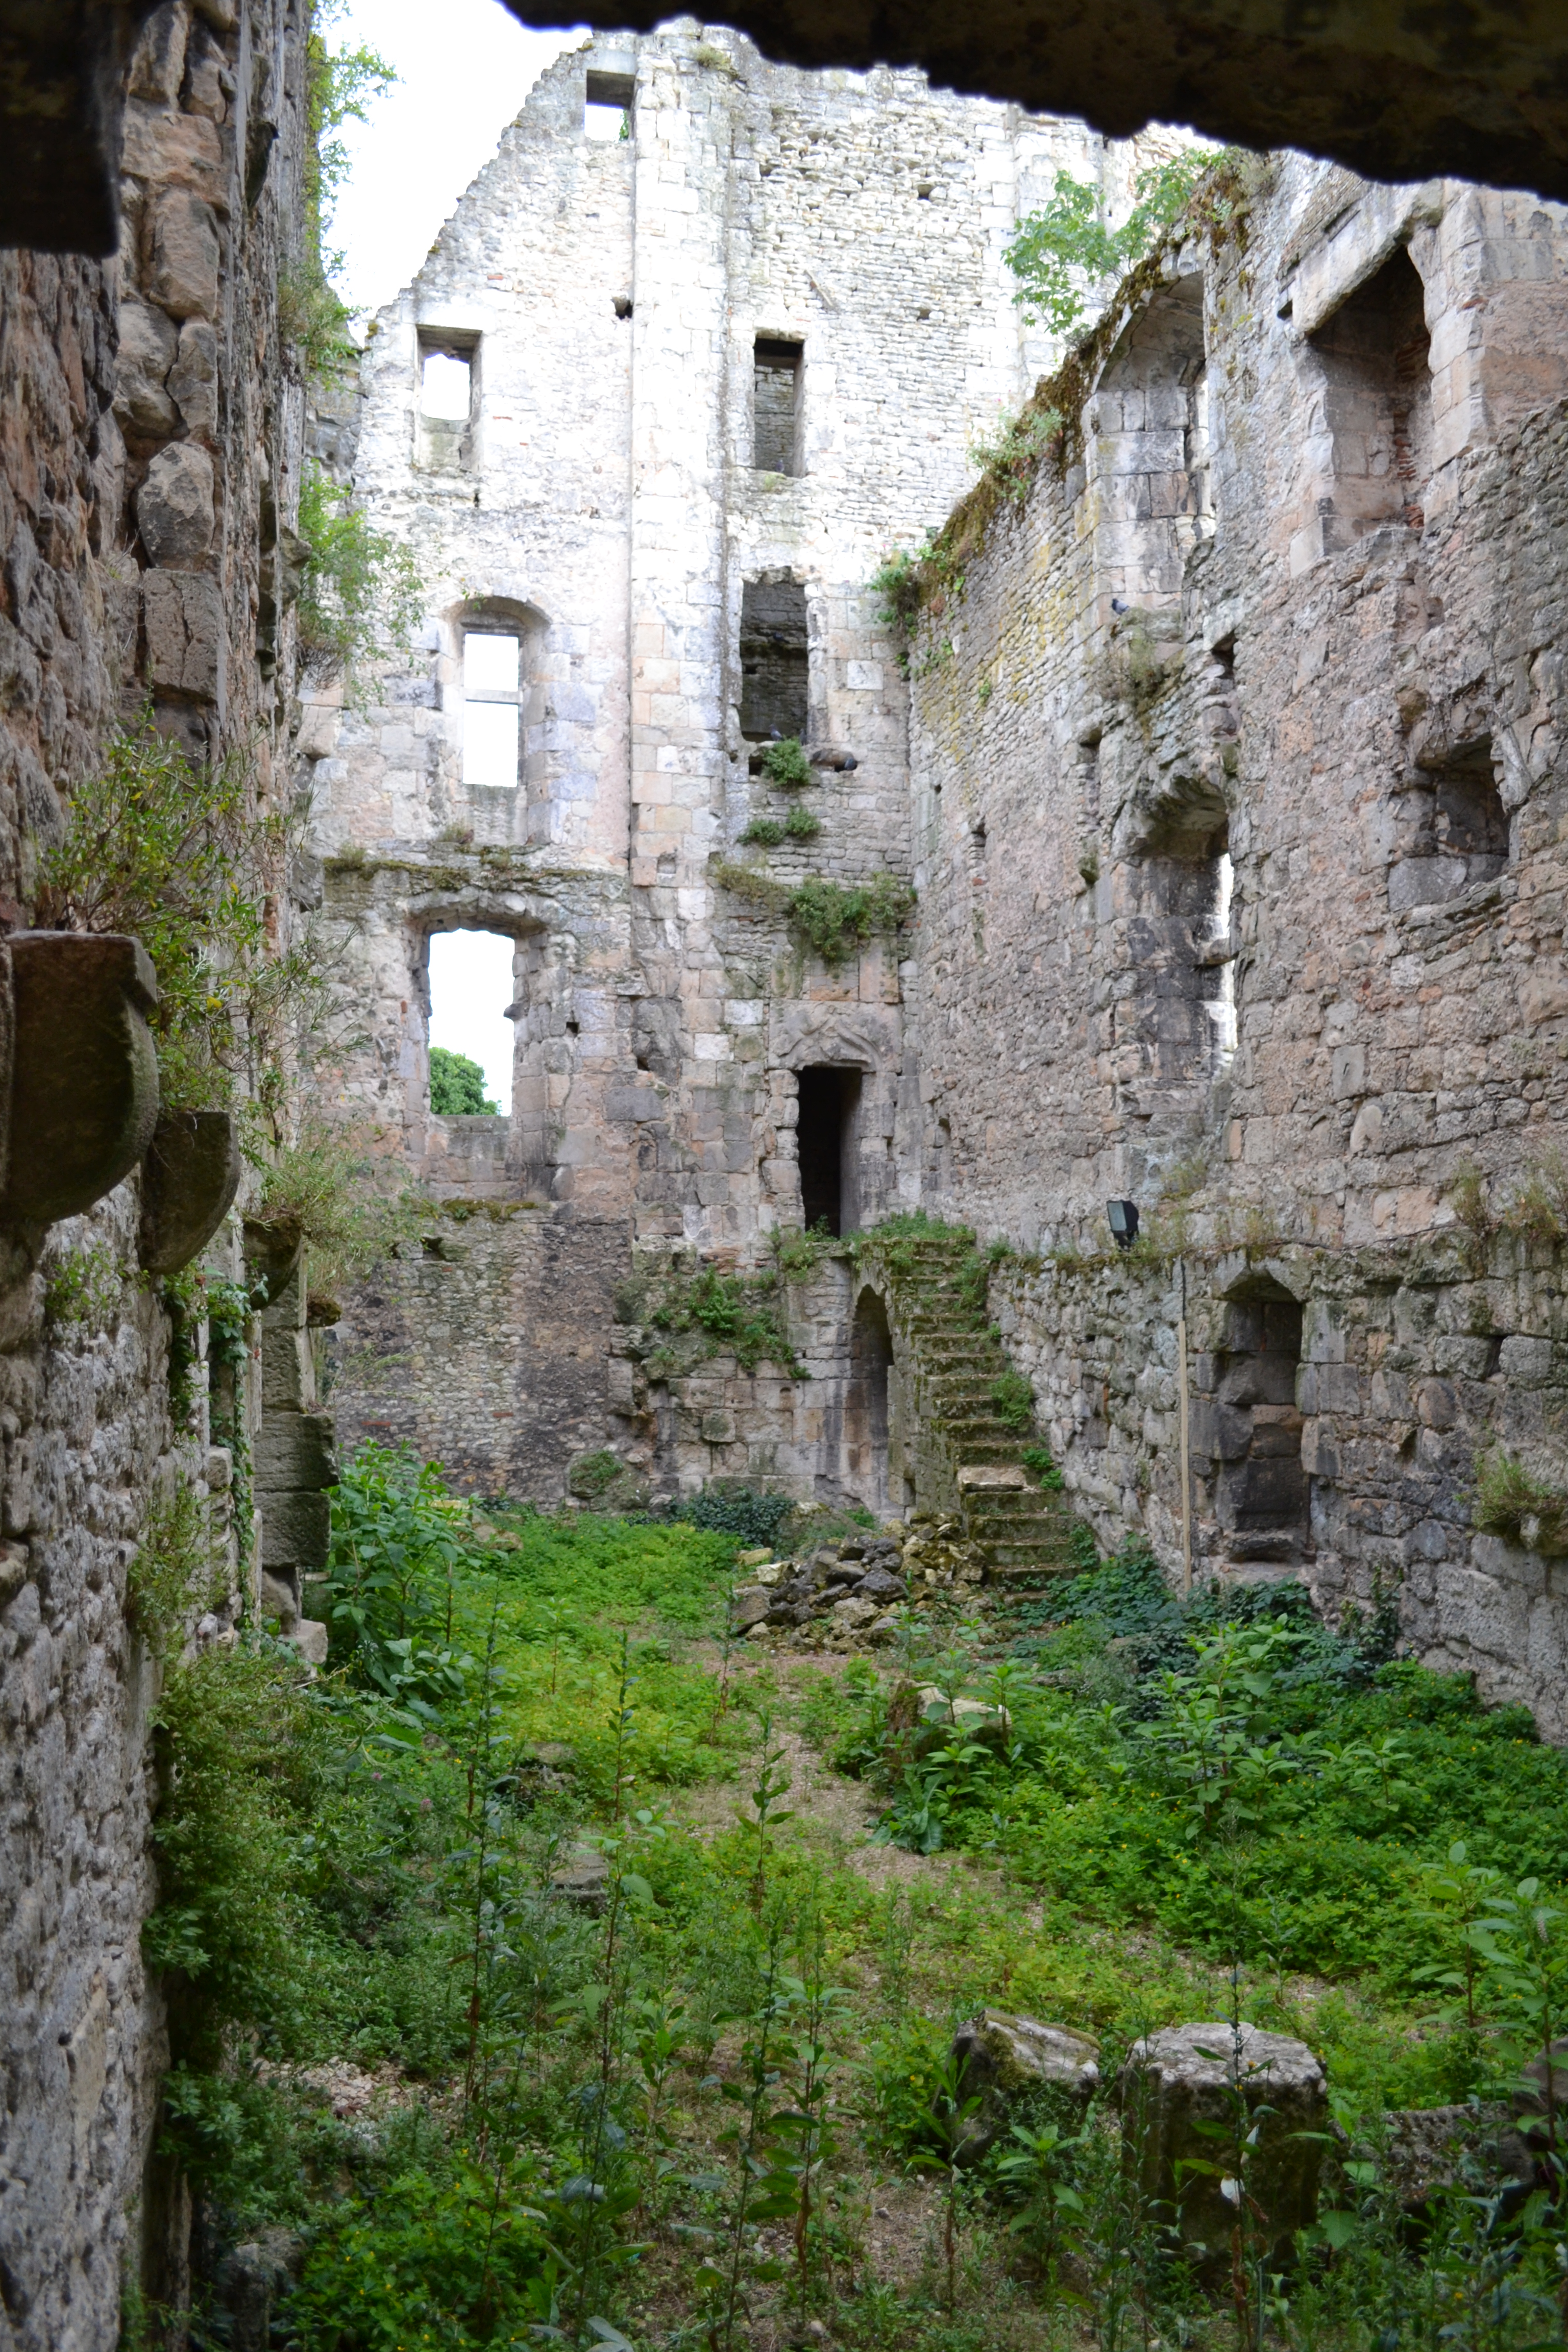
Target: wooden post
{"points": [[1182, 1407]]}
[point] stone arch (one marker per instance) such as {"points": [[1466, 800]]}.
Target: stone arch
{"points": [[868, 1406], [1149, 456]]}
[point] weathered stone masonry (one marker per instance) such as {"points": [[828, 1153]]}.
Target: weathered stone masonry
{"points": [[150, 439], [1265, 678]]}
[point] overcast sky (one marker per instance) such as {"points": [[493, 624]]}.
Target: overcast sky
{"points": [[465, 67]]}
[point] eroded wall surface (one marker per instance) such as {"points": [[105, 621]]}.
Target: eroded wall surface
{"points": [[149, 453], [1238, 783]]}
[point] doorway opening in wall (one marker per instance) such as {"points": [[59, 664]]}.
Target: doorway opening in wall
{"points": [[775, 670], [469, 975], [1261, 1498], [775, 404], [825, 1137], [1376, 355], [866, 1413]]}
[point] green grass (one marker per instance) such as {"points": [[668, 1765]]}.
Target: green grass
{"points": [[360, 1868]]}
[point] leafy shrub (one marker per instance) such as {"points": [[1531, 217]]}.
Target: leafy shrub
{"points": [[766, 832], [458, 1085], [738, 1314], [175, 1571], [1042, 1462], [1009, 456], [319, 1183], [825, 915], [1014, 1399], [85, 1286], [1062, 253], [785, 763], [357, 581], [179, 854], [752, 1519]]}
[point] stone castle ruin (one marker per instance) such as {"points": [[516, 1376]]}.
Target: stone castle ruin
{"points": [[1175, 824], [1216, 760]]}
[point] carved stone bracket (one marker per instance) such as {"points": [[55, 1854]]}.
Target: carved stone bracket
{"points": [[83, 1091], [189, 1179]]}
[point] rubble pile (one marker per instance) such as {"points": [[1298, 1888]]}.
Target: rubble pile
{"points": [[846, 1595]]}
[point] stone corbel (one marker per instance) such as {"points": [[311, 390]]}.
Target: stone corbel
{"points": [[189, 1179], [78, 1072]]}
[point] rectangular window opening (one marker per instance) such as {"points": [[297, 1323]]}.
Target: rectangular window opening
{"points": [[775, 668], [446, 387], [607, 107], [492, 713], [825, 1141], [446, 399], [470, 985], [775, 406]]}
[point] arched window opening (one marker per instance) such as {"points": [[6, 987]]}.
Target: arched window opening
{"points": [[866, 1407], [1150, 454], [1376, 359], [775, 670], [825, 1140], [471, 987]]}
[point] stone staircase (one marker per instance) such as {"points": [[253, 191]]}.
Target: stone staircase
{"points": [[968, 1461]]}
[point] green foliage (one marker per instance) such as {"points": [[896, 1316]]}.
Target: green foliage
{"points": [[1064, 253], [359, 586], [765, 831], [1013, 1398], [1510, 1501], [458, 1085], [1010, 455], [897, 583], [834, 920], [85, 1286], [339, 87], [322, 1185], [752, 1519], [1040, 1460], [228, 1308], [800, 824], [798, 1254], [785, 763], [733, 1314], [185, 858], [175, 1571]]}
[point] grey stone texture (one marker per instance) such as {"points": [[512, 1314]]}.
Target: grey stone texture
{"points": [[148, 432], [1224, 2126]]}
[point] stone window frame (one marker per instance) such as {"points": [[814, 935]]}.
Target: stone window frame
{"points": [[441, 446], [500, 615], [773, 345]]}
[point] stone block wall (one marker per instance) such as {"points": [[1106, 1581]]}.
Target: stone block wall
{"points": [[149, 456]]}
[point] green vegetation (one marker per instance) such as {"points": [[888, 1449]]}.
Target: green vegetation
{"points": [[184, 857], [670, 2108], [84, 1285], [1010, 455], [1509, 1501], [458, 1085], [785, 763], [718, 1313], [1062, 254], [831, 918], [357, 584], [174, 1571], [339, 87], [322, 1184], [1014, 1399], [768, 831]]}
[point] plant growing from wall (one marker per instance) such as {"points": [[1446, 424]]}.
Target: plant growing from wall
{"points": [[1064, 253], [322, 1184], [357, 583], [767, 832], [1014, 1401], [84, 1285], [1009, 456], [184, 856], [830, 919], [1509, 1501], [175, 1571], [785, 763], [340, 84]]}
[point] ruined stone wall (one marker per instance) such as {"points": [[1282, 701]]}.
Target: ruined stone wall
{"points": [[599, 500], [1262, 681], [148, 450]]}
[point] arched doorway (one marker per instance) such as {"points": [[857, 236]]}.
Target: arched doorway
{"points": [[866, 1407]]}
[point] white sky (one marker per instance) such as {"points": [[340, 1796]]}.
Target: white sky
{"points": [[465, 67], [471, 987]]}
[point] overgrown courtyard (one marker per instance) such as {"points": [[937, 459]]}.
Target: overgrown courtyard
{"points": [[555, 1967]]}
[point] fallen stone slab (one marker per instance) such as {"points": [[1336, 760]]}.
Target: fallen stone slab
{"points": [[1269, 2098]]}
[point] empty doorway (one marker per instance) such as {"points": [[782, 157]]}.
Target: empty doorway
{"points": [[866, 1411], [825, 1138]]}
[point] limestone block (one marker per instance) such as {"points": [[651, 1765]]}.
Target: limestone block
{"points": [[189, 1179], [84, 1075], [158, 64], [185, 255], [187, 647], [312, 1639], [748, 1607], [280, 1598], [149, 343], [1004, 2059], [193, 379], [295, 1529], [1254, 2085], [296, 1449], [175, 507]]}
